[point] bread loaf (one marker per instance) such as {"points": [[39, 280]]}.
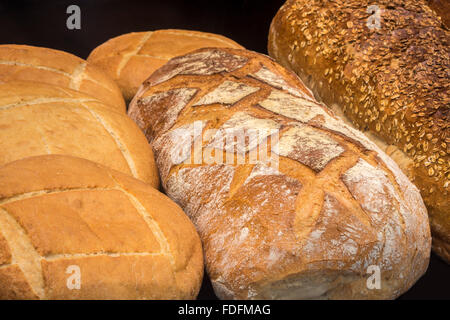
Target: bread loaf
{"points": [[20, 62], [73, 229], [390, 80], [311, 214], [442, 9], [131, 58], [37, 118]]}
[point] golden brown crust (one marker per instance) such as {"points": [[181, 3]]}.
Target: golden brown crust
{"points": [[131, 58], [21, 62], [60, 211], [307, 228], [37, 118], [392, 81], [14, 285], [442, 9]]}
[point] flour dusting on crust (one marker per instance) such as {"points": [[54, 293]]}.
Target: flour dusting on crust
{"points": [[198, 63], [276, 81], [174, 147], [293, 107], [149, 107], [242, 133], [309, 146]]}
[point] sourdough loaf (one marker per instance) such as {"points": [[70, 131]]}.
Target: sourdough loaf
{"points": [[442, 9], [37, 118], [73, 229], [311, 214], [21, 62], [131, 58], [391, 81]]}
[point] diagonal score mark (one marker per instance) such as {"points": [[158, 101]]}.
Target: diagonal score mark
{"points": [[204, 36], [123, 149], [38, 193], [77, 76], [55, 257], [151, 222], [153, 225], [150, 56], [126, 57], [23, 252], [43, 101], [16, 63]]}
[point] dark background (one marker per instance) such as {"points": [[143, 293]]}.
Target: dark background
{"points": [[43, 23]]}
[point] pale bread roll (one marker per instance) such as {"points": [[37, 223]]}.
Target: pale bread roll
{"points": [[131, 58], [317, 223], [63, 216], [37, 118], [22, 62]]}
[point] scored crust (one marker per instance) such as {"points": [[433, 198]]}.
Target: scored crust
{"points": [[334, 205], [391, 82], [131, 58], [22, 62], [37, 118], [128, 240]]}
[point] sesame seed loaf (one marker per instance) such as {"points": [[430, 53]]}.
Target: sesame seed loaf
{"points": [[442, 9], [37, 118], [73, 229], [306, 218], [21, 62], [131, 58], [391, 82]]}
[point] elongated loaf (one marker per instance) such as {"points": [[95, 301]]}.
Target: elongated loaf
{"points": [[21, 62], [37, 118], [73, 229], [391, 81], [131, 58], [307, 217]]}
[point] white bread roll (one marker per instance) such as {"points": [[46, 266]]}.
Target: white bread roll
{"points": [[131, 58], [38, 118], [28, 63]]}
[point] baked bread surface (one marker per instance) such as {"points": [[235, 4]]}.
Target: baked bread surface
{"points": [[38, 118], [22, 62], [308, 227], [391, 82], [131, 58], [128, 241]]}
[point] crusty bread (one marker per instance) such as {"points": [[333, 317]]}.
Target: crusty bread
{"points": [[131, 58], [128, 240], [442, 9], [21, 62], [310, 226], [392, 82], [37, 118]]}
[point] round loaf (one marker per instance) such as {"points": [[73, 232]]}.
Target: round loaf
{"points": [[442, 9], [391, 81], [37, 118], [73, 229], [315, 219], [131, 58], [21, 62]]}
